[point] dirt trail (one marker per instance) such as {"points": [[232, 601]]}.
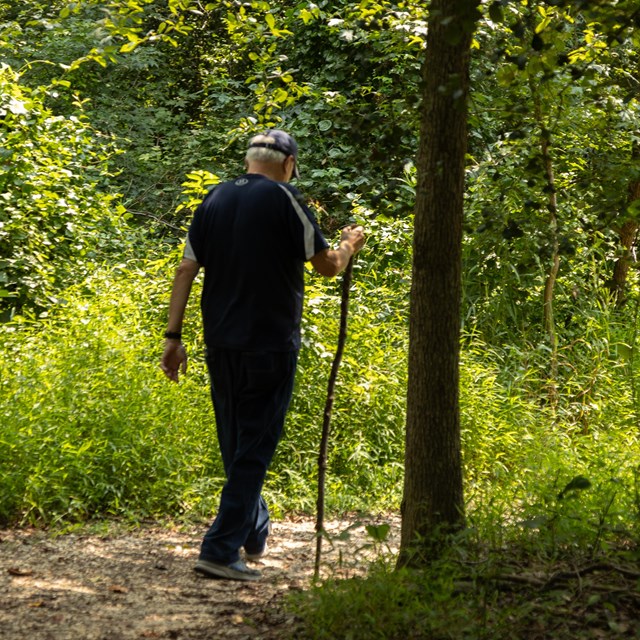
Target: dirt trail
{"points": [[142, 584]]}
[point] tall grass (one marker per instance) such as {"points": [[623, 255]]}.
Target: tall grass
{"points": [[90, 426], [521, 452], [547, 486]]}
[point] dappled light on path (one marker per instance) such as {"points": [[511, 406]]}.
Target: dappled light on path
{"points": [[141, 584]]}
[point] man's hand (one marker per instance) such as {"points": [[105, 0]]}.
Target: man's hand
{"points": [[331, 262], [174, 359], [354, 235]]}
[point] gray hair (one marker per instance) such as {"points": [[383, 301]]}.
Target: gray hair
{"points": [[262, 154]]}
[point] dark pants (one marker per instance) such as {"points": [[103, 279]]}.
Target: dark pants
{"points": [[251, 392]]}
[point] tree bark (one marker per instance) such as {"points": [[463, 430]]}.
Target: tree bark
{"points": [[554, 268], [433, 495], [627, 233]]}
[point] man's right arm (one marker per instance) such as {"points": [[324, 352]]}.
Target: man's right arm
{"points": [[174, 357], [331, 262], [182, 282]]}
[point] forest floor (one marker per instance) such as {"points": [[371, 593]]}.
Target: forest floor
{"points": [[116, 583], [139, 584]]}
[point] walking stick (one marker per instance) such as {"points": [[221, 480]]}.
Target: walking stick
{"points": [[324, 441]]}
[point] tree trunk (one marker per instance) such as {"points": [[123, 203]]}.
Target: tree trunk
{"points": [[433, 496], [554, 268], [627, 233], [552, 274]]}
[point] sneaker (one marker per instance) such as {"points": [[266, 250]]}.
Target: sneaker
{"points": [[237, 570], [254, 557]]}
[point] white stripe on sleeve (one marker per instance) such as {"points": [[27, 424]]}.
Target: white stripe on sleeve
{"points": [[309, 230], [189, 254]]}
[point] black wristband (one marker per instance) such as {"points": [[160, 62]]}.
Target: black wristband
{"points": [[173, 335]]}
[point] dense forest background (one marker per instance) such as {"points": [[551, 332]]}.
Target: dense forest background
{"points": [[118, 116]]}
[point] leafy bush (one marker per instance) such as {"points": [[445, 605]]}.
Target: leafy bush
{"points": [[55, 222], [90, 426], [385, 606]]}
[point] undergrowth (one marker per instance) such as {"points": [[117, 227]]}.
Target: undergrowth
{"points": [[498, 595], [90, 427], [521, 590]]}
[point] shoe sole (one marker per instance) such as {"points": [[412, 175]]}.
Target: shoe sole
{"points": [[211, 569]]}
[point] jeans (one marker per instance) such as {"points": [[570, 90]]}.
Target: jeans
{"points": [[251, 392]]}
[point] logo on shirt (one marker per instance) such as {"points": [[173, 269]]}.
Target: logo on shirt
{"points": [[241, 182]]}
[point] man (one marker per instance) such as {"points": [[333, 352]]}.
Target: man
{"points": [[252, 235]]}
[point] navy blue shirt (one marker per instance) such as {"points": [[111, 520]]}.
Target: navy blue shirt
{"points": [[253, 235]]}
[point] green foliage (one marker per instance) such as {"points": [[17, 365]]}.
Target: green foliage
{"points": [[476, 592], [55, 223], [98, 32], [155, 101], [552, 488], [367, 440], [198, 183], [90, 426], [544, 499], [388, 605], [572, 91], [180, 103], [344, 79]]}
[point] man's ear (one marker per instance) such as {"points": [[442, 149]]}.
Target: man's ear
{"points": [[290, 164]]}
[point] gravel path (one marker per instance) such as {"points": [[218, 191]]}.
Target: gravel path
{"points": [[142, 585]]}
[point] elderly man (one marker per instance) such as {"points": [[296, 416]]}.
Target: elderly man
{"points": [[252, 236]]}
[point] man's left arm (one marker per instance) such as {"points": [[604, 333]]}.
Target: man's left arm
{"points": [[174, 358]]}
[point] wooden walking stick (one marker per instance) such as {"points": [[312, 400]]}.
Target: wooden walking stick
{"points": [[324, 441]]}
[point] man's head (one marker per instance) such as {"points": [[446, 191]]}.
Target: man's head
{"points": [[275, 153]]}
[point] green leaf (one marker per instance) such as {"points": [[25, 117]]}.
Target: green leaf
{"points": [[634, 208], [129, 46], [306, 16], [271, 21], [378, 533], [280, 95]]}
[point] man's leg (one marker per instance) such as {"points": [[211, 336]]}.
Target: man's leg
{"points": [[251, 394], [256, 541]]}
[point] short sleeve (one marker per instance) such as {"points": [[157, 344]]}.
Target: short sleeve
{"points": [[312, 241], [195, 248], [189, 253]]}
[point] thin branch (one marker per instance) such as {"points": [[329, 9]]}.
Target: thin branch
{"points": [[324, 442], [156, 218]]}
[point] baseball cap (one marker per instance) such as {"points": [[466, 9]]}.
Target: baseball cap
{"points": [[283, 143]]}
